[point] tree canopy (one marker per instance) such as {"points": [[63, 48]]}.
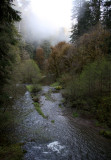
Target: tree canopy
{"points": [[7, 13]]}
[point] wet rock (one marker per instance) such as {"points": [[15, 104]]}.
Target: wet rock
{"points": [[35, 99]]}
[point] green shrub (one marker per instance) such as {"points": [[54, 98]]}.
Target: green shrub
{"points": [[90, 90], [60, 105], [97, 124], [105, 133], [58, 87], [64, 79], [75, 114], [30, 72], [29, 87], [33, 88], [52, 121], [11, 152], [55, 84], [6, 121], [93, 81], [36, 88], [38, 108], [104, 110]]}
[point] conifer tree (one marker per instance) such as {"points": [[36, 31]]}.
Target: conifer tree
{"points": [[83, 20], [7, 13], [8, 39], [107, 14], [96, 11]]}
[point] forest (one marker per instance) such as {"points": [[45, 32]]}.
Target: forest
{"points": [[81, 67]]}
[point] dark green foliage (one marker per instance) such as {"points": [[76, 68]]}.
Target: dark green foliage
{"points": [[8, 42], [105, 133], [104, 110], [84, 68], [89, 14], [29, 72], [95, 11], [33, 88], [74, 33], [52, 121], [9, 55], [75, 115], [30, 49], [107, 14], [38, 108], [94, 80], [11, 152], [83, 19], [7, 13], [91, 90]]}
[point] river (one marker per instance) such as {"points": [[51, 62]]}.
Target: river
{"points": [[60, 136]]}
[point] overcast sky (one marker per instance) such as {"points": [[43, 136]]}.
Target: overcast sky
{"points": [[56, 13], [50, 18]]}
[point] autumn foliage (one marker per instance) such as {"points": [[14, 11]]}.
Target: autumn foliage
{"points": [[40, 58], [59, 60], [72, 58], [84, 70]]}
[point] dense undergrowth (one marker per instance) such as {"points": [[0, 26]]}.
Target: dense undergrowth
{"points": [[10, 150], [16, 68], [84, 71]]}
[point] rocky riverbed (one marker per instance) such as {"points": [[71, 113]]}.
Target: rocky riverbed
{"points": [[60, 136]]}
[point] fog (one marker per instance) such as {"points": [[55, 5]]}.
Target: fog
{"points": [[45, 20]]}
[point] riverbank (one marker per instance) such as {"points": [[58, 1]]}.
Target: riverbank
{"points": [[82, 113], [60, 136], [87, 118], [10, 149]]}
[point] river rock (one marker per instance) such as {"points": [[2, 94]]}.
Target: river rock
{"points": [[35, 99]]}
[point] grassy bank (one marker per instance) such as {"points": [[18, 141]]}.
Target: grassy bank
{"points": [[34, 89], [11, 152], [39, 110]]}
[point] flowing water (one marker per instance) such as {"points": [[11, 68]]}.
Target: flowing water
{"points": [[60, 136]]}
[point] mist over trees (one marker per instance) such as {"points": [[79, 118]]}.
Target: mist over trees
{"points": [[82, 66], [87, 14], [16, 68]]}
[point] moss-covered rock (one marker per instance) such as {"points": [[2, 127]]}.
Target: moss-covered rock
{"points": [[58, 87]]}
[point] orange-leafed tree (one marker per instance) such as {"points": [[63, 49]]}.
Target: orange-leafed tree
{"points": [[59, 60], [40, 58]]}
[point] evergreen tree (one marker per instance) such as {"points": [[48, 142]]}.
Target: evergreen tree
{"points": [[107, 14], [8, 39], [87, 15], [46, 47], [83, 18], [7, 13], [96, 11]]}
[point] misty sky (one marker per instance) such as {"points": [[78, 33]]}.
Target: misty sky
{"points": [[56, 13], [49, 18]]}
